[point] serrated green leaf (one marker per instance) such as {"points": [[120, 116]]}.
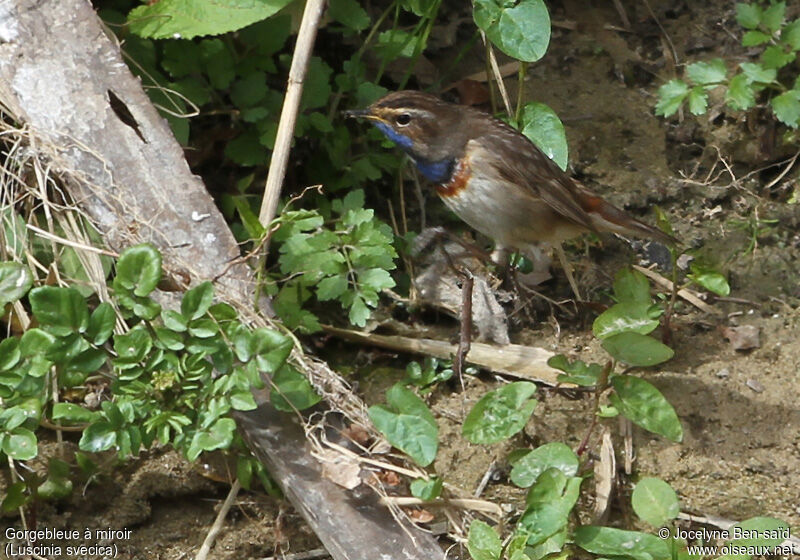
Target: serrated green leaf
{"points": [[753, 38], [331, 287], [748, 15], [543, 127], [349, 13], [772, 17], [550, 455], [376, 278], [757, 73], [787, 107], [706, 73], [740, 94], [790, 35], [637, 349], [500, 414], [62, 311], [520, 29], [775, 57], [655, 501], [645, 406], [670, 97], [698, 101], [185, 19], [359, 312], [15, 281], [249, 90]]}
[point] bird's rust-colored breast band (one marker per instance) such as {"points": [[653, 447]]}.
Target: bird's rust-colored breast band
{"points": [[458, 181]]}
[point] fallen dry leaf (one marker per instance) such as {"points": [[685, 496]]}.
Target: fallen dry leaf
{"points": [[420, 515], [745, 337], [340, 469]]}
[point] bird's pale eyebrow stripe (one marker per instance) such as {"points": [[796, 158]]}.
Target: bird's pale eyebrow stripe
{"points": [[410, 110]]}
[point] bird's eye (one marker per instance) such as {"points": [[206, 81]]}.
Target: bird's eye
{"points": [[403, 119]]}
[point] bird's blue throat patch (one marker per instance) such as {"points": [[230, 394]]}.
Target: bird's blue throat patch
{"points": [[436, 171]]}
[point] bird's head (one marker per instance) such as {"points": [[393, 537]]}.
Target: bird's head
{"points": [[427, 128]]}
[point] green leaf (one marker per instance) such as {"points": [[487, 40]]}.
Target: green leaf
{"points": [[698, 101], [292, 391], [550, 455], [185, 19], [359, 312], [748, 15], [753, 38], [636, 349], [775, 57], [243, 401], [790, 35], [483, 542], [772, 17], [757, 73], [645, 406], [203, 328], [706, 73], [427, 489], [670, 97], [15, 497], [101, 324], [631, 286], [407, 424], [578, 372], [58, 484], [270, 349], [139, 269], [174, 321], [133, 346], [607, 541], [756, 532], [655, 501], [9, 353], [71, 412], [549, 503], [196, 301], [787, 107], [396, 43], [20, 444], [376, 278], [331, 287], [710, 279], [218, 436], [500, 414], [624, 318], [519, 29], [740, 94], [15, 281], [349, 13], [61, 311], [249, 90], [543, 127]]}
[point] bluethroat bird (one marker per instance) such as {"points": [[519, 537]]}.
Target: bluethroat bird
{"points": [[494, 178]]}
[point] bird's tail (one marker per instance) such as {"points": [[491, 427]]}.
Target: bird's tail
{"points": [[607, 217]]}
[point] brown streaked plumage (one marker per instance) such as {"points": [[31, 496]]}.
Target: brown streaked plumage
{"points": [[493, 177]]}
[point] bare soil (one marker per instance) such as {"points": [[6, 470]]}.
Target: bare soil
{"points": [[740, 409]]}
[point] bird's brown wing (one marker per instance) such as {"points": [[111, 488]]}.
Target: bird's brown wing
{"points": [[519, 161]]}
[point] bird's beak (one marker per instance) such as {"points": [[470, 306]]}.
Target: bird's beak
{"points": [[359, 114]]}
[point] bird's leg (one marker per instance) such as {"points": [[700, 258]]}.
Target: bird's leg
{"points": [[465, 334], [562, 258]]}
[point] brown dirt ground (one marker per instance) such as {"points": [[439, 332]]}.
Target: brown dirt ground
{"points": [[740, 410]]}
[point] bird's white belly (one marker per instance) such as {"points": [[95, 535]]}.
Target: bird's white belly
{"points": [[506, 213]]}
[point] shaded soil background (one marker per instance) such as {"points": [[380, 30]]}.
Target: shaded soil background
{"points": [[740, 410]]}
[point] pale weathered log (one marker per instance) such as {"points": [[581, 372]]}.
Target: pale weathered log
{"points": [[59, 74]]}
